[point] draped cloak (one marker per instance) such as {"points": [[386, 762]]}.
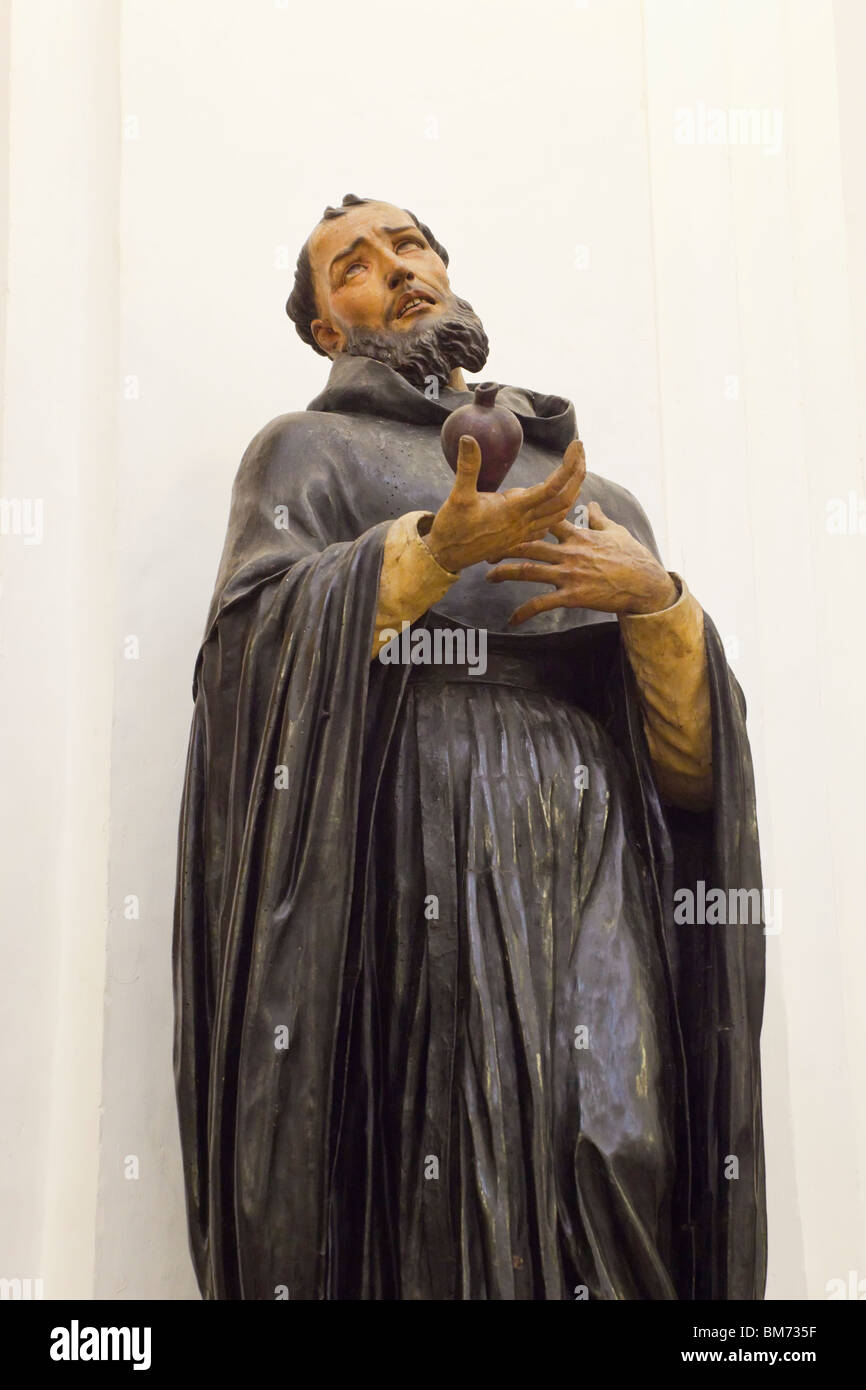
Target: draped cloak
{"points": [[437, 1031]]}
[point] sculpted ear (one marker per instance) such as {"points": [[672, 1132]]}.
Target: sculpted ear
{"points": [[327, 337]]}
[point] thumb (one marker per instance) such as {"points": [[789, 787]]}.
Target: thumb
{"points": [[468, 464]]}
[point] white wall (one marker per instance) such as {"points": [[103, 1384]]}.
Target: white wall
{"points": [[703, 305], [56, 640]]}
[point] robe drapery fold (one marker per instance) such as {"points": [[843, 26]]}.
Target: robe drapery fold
{"points": [[331, 1038]]}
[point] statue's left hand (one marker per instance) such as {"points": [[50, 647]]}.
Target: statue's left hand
{"points": [[598, 566]]}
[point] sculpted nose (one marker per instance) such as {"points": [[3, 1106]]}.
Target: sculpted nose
{"points": [[398, 274]]}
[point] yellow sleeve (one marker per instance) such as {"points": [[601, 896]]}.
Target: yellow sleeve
{"points": [[411, 581], [667, 654]]}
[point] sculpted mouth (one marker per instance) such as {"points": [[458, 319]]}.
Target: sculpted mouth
{"points": [[412, 299]]}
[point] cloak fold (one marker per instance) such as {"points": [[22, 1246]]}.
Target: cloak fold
{"points": [[717, 973], [277, 1048]]}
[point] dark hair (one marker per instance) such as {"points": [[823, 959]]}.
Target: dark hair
{"points": [[301, 305]]}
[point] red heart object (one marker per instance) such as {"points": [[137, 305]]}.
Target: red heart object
{"points": [[496, 429]]}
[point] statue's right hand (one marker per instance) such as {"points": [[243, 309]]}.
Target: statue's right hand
{"points": [[471, 526]]}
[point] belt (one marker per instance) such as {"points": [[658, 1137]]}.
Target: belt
{"points": [[500, 669], [575, 672]]}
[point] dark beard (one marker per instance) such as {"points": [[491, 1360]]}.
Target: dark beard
{"points": [[453, 339]]}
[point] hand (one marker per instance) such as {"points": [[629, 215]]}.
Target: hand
{"points": [[471, 526], [601, 567]]}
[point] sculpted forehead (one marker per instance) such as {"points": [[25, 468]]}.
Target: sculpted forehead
{"points": [[328, 238]]}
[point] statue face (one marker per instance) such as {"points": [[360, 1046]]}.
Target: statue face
{"points": [[367, 289]]}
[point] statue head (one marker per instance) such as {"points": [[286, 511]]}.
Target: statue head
{"points": [[372, 281]]}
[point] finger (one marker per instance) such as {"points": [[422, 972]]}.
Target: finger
{"points": [[597, 519], [565, 530], [571, 470], [468, 464], [564, 499], [568, 476], [556, 508], [539, 527], [535, 550], [541, 604], [525, 572]]}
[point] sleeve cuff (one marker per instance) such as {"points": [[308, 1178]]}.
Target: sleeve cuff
{"points": [[408, 547], [671, 632], [410, 581], [667, 654]]}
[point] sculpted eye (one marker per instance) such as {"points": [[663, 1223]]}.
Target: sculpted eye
{"points": [[411, 241], [356, 265]]}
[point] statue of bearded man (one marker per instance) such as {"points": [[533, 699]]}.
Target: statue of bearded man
{"points": [[439, 1032]]}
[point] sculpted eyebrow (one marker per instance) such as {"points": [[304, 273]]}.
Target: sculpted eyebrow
{"points": [[341, 255], [360, 241]]}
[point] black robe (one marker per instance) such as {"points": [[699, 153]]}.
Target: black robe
{"points": [[383, 1099]]}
